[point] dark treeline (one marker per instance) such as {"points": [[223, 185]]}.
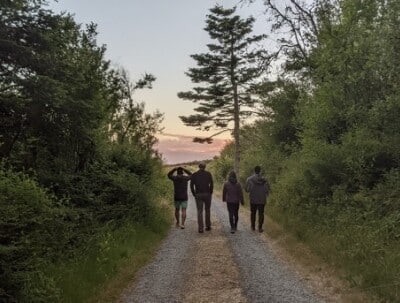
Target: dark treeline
{"points": [[76, 150], [328, 135]]}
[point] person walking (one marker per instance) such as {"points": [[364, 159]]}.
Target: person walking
{"points": [[202, 186], [232, 194], [180, 193], [258, 189]]}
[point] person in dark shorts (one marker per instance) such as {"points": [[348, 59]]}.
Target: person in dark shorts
{"points": [[232, 194], [201, 186], [180, 193], [258, 189]]}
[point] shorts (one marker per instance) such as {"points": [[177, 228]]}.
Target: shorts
{"points": [[181, 204]]}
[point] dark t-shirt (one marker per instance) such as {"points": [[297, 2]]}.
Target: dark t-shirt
{"points": [[180, 187]]}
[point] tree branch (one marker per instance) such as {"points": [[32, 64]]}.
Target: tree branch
{"points": [[209, 139]]}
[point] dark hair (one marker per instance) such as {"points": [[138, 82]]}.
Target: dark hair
{"points": [[232, 177], [179, 170], [257, 169], [232, 174], [202, 165]]}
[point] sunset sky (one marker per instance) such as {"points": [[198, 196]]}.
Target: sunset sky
{"points": [[158, 37]]}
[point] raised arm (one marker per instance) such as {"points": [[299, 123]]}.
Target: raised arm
{"points": [[188, 172], [171, 174]]}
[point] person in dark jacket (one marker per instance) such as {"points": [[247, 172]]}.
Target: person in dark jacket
{"points": [[232, 194], [201, 186], [258, 189], [180, 192]]}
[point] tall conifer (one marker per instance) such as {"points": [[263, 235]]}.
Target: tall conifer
{"points": [[226, 74]]}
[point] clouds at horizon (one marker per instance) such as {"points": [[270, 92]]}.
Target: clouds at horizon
{"points": [[180, 148]]}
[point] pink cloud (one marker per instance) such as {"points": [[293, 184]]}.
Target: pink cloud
{"points": [[180, 148]]}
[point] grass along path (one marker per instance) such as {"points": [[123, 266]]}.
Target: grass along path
{"points": [[316, 273], [108, 265], [141, 252]]}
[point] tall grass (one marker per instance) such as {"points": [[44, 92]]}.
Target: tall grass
{"points": [[355, 244], [109, 262]]}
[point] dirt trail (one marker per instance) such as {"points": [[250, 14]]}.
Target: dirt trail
{"points": [[214, 275], [216, 266]]}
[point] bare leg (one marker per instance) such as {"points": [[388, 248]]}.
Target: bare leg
{"points": [[177, 216], [183, 216]]}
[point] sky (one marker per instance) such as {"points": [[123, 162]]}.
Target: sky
{"points": [[158, 37]]}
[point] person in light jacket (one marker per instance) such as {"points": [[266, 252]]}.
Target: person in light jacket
{"points": [[232, 194], [258, 189]]}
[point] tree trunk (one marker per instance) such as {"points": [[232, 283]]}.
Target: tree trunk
{"points": [[236, 130], [236, 111]]}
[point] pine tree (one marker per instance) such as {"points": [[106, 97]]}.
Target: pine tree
{"points": [[226, 75]]}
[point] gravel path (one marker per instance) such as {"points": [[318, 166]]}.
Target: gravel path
{"points": [[216, 267], [264, 278]]}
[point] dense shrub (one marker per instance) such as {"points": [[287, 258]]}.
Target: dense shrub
{"points": [[222, 165], [33, 225], [69, 121]]}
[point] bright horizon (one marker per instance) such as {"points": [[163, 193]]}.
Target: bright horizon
{"points": [[158, 37]]}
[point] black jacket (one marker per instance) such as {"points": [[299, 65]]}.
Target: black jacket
{"points": [[201, 183]]}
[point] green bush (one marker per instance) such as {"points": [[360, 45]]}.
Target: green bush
{"points": [[223, 164], [32, 225], [368, 158], [39, 228]]}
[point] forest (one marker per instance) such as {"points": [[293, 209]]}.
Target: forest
{"points": [[79, 172], [328, 135]]}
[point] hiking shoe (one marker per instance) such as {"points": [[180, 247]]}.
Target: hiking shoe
{"points": [[200, 231], [260, 230], [253, 228], [177, 225], [232, 230], [182, 226], [208, 228]]}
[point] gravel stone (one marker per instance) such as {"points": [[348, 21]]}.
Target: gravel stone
{"points": [[263, 277], [260, 276]]}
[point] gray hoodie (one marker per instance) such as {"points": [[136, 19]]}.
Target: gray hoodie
{"points": [[258, 189]]}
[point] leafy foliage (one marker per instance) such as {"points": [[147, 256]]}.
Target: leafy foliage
{"points": [[33, 226], [328, 137], [77, 150]]}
